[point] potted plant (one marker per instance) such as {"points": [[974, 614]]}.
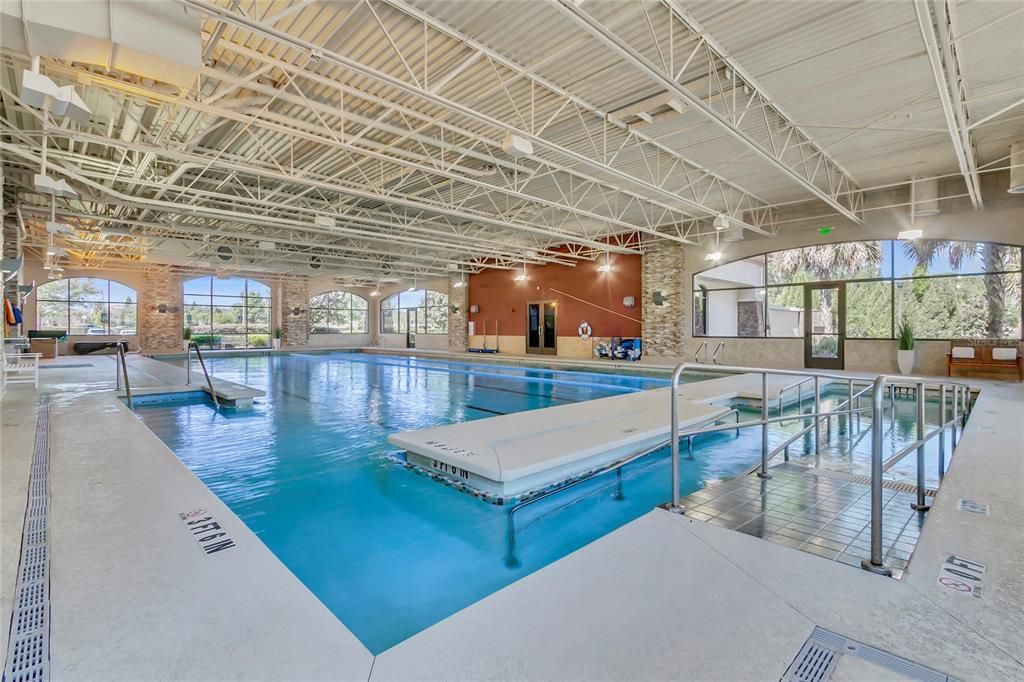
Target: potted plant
{"points": [[905, 354], [277, 338], [186, 338]]}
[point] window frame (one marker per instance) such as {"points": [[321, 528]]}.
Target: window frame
{"points": [[105, 301], [891, 278], [215, 302], [328, 309], [425, 307]]}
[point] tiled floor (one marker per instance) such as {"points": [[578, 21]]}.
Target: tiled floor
{"points": [[813, 511]]}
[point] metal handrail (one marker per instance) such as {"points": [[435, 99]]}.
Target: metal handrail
{"points": [[702, 347], [188, 370], [800, 393], [848, 403], [121, 358], [961, 403], [714, 356]]}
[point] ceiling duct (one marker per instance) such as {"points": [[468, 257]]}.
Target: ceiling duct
{"points": [[926, 197], [1016, 168], [316, 262], [157, 40], [225, 253]]}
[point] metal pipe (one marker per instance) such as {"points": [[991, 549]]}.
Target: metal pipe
{"points": [[849, 403], [875, 564], [124, 369], [674, 429], [209, 382], [956, 406], [188, 364], [921, 504], [763, 473], [942, 436], [817, 408]]}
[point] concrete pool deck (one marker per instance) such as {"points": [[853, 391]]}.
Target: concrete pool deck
{"points": [[133, 597]]}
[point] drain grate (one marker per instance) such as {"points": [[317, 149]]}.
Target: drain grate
{"points": [[28, 647], [822, 650]]}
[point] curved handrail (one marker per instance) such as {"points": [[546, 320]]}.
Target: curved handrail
{"points": [[188, 370], [714, 356], [122, 359]]}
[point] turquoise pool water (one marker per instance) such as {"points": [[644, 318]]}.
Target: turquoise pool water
{"points": [[387, 550]]}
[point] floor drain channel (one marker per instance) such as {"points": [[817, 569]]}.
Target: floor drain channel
{"points": [[28, 647], [823, 649]]}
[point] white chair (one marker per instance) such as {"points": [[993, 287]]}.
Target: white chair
{"points": [[21, 368]]}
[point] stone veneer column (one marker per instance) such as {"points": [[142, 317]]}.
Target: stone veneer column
{"points": [[160, 330], [663, 321], [458, 314], [295, 328]]}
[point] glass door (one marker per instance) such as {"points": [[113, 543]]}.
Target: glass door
{"points": [[410, 327], [540, 327], [824, 325]]}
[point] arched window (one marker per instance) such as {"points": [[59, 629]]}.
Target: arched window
{"points": [[425, 311], [338, 312], [228, 313], [87, 306]]}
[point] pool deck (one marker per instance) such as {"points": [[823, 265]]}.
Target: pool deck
{"points": [[133, 596]]}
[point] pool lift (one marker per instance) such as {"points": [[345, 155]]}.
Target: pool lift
{"points": [[485, 349]]}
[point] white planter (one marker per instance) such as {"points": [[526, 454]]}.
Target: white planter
{"points": [[277, 343], [184, 345], [905, 360]]}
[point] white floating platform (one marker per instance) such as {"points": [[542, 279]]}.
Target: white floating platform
{"points": [[513, 454]]}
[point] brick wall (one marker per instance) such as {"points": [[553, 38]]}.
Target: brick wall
{"points": [[458, 315], [160, 331], [663, 321], [295, 328]]}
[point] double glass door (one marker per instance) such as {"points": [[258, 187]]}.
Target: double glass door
{"points": [[540, 327], [824, 325]]}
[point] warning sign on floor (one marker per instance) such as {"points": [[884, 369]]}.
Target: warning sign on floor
{"points": [[962, 576]]}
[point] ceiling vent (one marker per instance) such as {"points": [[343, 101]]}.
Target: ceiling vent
{"points": [[149, 39], [1016, 168], [225, 253]]}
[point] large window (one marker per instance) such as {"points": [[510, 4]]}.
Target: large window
{"points": [[87, 306], [946, 289], [425, 310], [228, 313], [338, 312]]}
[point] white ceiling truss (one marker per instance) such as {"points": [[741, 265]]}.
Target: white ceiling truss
{"points": [[400, 139]]}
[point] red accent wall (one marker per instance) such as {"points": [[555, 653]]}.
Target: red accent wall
{"points": [[502, 298]]}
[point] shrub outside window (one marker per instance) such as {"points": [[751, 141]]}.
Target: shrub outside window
{"points": [[228, 313]]}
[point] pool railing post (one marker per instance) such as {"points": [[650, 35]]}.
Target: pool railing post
{"points": [[675, 505], [942, 431], [763, 473], [875, 564], [921, 504]]}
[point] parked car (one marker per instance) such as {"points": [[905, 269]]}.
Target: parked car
{"points": [[95, 331]]}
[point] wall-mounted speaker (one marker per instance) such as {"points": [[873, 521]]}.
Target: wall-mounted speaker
{"points": [[474, 309], [657, 298]]}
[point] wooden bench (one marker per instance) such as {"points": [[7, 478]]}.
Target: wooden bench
{"points": [[21, 368], [978, 354]]}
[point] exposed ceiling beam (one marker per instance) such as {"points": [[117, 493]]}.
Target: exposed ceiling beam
{"points": [[942, 57], [806, 169]]}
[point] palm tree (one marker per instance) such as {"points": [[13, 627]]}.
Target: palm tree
{"points": [[994, 258], [825, 263]]}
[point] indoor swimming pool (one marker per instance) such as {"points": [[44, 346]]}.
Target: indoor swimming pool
{"points": [[388, 550]]}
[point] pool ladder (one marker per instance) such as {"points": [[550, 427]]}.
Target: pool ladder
{"points": [[121, 369], [188, 370]]}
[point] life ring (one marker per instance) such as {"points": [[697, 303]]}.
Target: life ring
{"points": [[584, 330]]}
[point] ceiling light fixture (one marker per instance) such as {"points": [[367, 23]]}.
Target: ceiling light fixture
{"points": [[910, 234], [521, 277], [606, 266], [713, 256], [721, 222]]}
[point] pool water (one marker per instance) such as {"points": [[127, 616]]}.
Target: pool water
{"points": [[388, 550]]}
